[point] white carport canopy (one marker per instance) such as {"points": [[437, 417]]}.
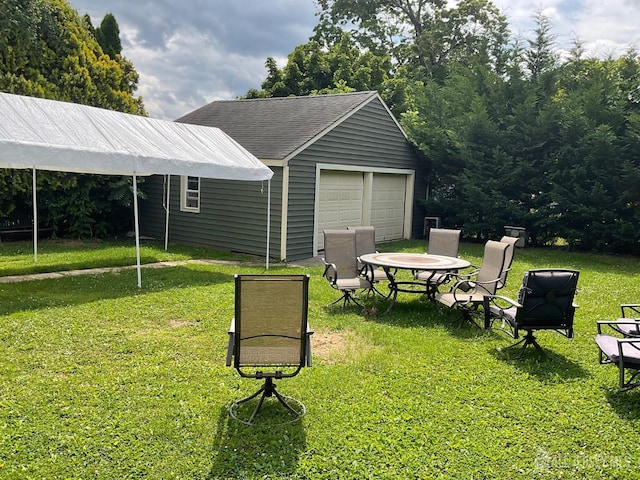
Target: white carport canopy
{"points": [[51, 135]]}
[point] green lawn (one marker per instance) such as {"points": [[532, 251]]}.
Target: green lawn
{"points": [[100, 379]]}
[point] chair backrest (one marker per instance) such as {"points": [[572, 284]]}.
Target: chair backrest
{"points": [[493, 261], [443, 241], [340, 250], [365, 239], [508, 261], [546, 297], [270, 324]]}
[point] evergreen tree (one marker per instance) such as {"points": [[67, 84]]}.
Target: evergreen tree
{"points": [[47, 50], [108, 36]]}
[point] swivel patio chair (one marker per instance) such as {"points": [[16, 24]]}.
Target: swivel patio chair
{"points": [[366, 243], [511, 241], [445, 242], [628, 325], [269, 337], [545, 302], [341, 265], [469, 291], [624, 352]]}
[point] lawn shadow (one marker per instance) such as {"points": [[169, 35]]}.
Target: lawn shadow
{"points": [[75, 290], [546, 365], [408, 312], [263, 450], [626, 404]]}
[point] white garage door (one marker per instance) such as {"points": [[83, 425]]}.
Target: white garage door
{"points": [[387, 206], [340, 202]]}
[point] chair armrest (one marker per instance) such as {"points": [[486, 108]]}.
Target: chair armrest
{"points": [[330, 272], [498, 301], [466, 285], [308, 353], [232, 341], [632, 342], [627, 308], [367, 272], [495, 299], [463, 277], [616, 325]]}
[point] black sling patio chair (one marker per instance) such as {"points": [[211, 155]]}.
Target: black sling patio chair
{"points": [[269, 337], [545, 302], [341, 265]]}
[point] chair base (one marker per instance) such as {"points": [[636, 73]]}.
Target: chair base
{"points": [[268, 389], [375, 290], [528, 339], [347, 297], [625, 382], [629, 383], [466, 316]]}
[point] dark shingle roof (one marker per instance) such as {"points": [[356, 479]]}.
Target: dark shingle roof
{"points": [[273, 128]]}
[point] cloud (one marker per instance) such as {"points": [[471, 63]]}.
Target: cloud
{"points": [[191, 52], [604, 28]]}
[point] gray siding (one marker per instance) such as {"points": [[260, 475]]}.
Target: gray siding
{"points": [[369, 138], [233, 215]]}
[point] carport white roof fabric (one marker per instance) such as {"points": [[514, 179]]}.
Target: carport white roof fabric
{"points": [[52, 135]]}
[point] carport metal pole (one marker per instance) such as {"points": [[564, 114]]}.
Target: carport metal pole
{"points": [[137, 228], [166, 209], [35, 218], [268, 220]]}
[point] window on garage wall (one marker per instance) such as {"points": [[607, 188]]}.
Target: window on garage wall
{"points": [[190, 194]]}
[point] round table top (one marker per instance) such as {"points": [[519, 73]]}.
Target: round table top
{"points": [[414, 261]]}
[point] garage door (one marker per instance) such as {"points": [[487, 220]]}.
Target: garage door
{"points": [[387, 206], [340, 202]]}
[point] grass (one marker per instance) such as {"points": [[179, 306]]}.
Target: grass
{"points": [[100, 379], [17, 258]]}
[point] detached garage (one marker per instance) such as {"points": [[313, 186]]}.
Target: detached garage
{"points": [[338, 161], [347, 198]]}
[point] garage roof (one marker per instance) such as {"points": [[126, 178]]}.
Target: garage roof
{"points": [[275, 128]]}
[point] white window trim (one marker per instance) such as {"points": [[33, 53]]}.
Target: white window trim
{"points": [[183, 195]]}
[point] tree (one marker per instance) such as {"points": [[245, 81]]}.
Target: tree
{"points": [[312, 70], [511, 133], [108, 36], [47, 50], [422, 35]]}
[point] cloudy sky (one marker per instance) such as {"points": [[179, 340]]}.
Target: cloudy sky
{"points": [[191, 52]]}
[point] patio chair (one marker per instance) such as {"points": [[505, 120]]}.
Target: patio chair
{"points": [[545, 302], [341, 265], [469, 291], [628, 325], [445, 242], [269, 336], [366, 243], [624, 352], [511, 241]]}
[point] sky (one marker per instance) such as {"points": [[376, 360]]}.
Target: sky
{"points": [[191, 52]]}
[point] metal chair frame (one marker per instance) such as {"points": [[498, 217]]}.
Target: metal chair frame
{"points": [[341, 266], [530, 313], [269, 336]]}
